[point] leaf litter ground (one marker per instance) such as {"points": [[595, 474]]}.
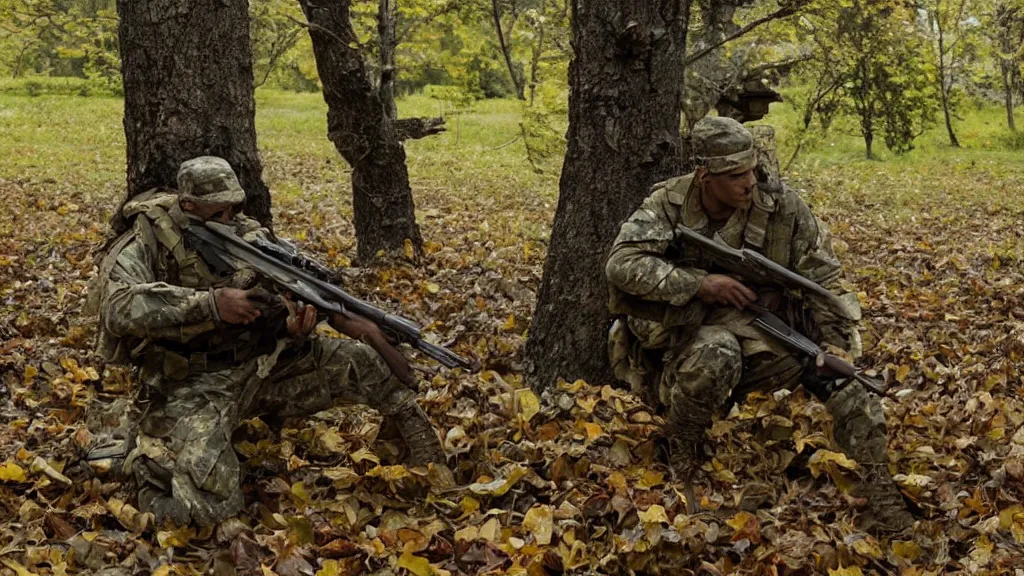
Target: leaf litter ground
{"points": [[562, 482]]}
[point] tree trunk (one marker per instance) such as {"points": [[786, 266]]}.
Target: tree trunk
{"points": [[359, 126], [386, 34], [506, 50], [953, 141], [1008, 93], [945, 85], [624, 118], [188, 91]]}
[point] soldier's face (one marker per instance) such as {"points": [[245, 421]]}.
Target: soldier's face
{"points": [[734, 189], [222, 213]]}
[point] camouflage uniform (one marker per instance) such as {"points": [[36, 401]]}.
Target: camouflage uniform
{"points": [[203, 376], [691, 357]]}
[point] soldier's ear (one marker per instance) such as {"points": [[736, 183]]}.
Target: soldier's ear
{"points": [[700, 175]]}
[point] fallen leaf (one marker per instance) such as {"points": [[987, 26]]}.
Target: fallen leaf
{"points": [[539, 522]]}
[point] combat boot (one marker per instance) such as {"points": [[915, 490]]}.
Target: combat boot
{"points": [[859, 431], [688, 421], [418, 435]]}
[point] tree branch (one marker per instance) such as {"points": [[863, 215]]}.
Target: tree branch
{"points": [[416, 128], [783, 12]]}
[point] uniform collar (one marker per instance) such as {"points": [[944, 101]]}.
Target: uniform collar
{"points": [[695, 218]]}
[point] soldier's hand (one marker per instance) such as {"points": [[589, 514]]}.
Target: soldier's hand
{"points": [[301, 319], [234, 306], [722, 289], [356, 327]]}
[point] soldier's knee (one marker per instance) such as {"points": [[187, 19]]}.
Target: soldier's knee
{"points": [[712, 365], [358, 360]]}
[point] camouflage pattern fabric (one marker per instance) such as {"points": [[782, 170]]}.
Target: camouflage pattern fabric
{"points": [[209, 179], [693, 357], [184, 444], [203, 376]]}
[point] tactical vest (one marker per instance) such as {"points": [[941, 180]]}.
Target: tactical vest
{"points": [[157, 221]]}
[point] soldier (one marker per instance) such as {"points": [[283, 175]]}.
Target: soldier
{"points": [[213, 350], [683, 336]]}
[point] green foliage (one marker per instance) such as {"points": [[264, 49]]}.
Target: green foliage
{"points": [[75, 38], [873, 55], [281, 51]]}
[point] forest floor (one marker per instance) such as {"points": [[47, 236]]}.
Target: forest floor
{"points": [[560, 482]]}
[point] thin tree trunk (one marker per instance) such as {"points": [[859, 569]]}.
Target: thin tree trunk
{"points": [[363, 133], [506, 50], [945, 85], [386, 32], [188, 91], [538, 51], [1008, 94], [624, 117]]}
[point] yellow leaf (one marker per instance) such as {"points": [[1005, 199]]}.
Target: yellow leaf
{"points": [[824, 460], [529, 404], [588, 404], [745, 525], [509, 324], [469, 505], [433, 288], [907, 550], [650, 480], [299, 492], [617, 481], [329, 568], [500, 486], [814, 440], [982, 552], [177, 538], [364, 454], [409, 253], [415, 564], [539, 521], [467, 534], [18, 568], [491, 530], [593, 431], [851, 571], [901, 373], [30, 373], [1010, 516], [867, 547], [654, 515], [11, 472]]}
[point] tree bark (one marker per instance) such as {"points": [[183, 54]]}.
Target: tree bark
{"points": [[359, 125], [386, 13], [945, 83], [624, 119], [188, 91], [506, 50], [1005, 65]]}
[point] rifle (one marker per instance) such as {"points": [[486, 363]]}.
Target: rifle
{"points": [[310, 281], [757, 268]]}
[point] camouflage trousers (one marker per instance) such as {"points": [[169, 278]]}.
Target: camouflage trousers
{"points": [[717, 365], [184, 451]]}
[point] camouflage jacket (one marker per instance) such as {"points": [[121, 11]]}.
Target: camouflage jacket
{"points": [[654, 276], [156, 298]]}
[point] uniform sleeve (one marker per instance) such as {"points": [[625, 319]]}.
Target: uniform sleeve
{"points": [[637, 264], [135, 304], [815, 259]]}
